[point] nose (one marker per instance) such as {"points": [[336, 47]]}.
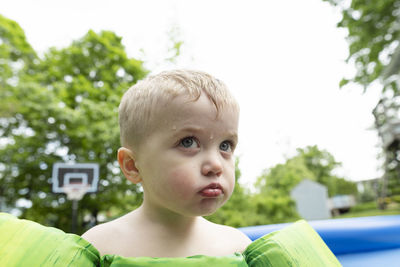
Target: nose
{"points": [[212, 165]]}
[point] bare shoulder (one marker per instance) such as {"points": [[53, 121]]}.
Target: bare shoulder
{"points": [[101, 236], [237, 237], [231, 238], [97, 232]]}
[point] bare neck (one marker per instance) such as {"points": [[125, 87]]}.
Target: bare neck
{"points": [[167, 221]]}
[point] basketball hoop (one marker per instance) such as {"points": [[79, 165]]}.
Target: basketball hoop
{"points": [[75, 191], [75, 180]]}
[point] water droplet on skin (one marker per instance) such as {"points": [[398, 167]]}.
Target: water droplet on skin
{"points": [[211, 137]]}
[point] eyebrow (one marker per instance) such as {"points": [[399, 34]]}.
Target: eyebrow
{"points": [[189, 129], [193, 129], [234, 136]]}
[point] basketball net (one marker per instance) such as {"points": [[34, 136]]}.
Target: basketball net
{"points": [[75, 191]]}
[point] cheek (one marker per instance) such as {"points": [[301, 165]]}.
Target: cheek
{"points": [[231, 178], [181, 182]]}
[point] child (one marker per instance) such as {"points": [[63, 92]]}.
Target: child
{"points": [[179, 130]]}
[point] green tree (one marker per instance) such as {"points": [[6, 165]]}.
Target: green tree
{"points": [[283, 177], [273, 203], [64, 108], [273, 207], [373, 35], [311, 163], [322, 164], [16, 55]]}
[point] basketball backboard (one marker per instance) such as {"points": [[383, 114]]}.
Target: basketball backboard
{"points": [[78, 174]]}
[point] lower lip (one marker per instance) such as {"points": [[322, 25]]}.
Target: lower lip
{"points": [[211, 192]]}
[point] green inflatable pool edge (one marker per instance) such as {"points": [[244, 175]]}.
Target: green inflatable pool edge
{"points": [[26, 243]]}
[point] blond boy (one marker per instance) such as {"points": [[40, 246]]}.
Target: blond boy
{"points": [[179, 130]]}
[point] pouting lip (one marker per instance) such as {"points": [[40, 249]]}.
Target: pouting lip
{"points": [[212, 186]]}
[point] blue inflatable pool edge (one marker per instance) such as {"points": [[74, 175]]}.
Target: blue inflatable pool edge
{"points": [[348, 235], [363, 241]]}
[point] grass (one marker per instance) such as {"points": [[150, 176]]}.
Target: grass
{"points": [[370, 209]]}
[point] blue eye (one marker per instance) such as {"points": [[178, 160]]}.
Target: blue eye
{"points": [[226, 146], [188, 142]]}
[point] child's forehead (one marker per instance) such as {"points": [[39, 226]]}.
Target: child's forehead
{"points": [[184, 112], [182, 105]]}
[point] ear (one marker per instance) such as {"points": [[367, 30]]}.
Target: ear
{"points": [[127, 163]]}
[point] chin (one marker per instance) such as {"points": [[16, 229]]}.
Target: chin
{"points": [[203, 212], [210, 211]]}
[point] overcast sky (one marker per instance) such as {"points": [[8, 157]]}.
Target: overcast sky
{"points": [[282, 60]]}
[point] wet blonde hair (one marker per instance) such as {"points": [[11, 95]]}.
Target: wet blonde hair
{"points": [[139, 103]]}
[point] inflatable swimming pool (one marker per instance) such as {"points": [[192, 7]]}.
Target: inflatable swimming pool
{"points": [[366, 241]]}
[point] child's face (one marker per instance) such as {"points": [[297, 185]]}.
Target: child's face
{"points": [[186, 163]]}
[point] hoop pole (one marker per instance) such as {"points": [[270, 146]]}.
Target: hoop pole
{"points": [[74, 223]]}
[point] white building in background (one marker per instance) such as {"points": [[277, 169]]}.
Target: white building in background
{"points": [[312, 202]]}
